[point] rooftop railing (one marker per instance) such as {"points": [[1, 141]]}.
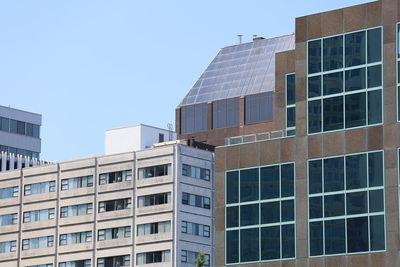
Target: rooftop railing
{"points": [[249, 138]]}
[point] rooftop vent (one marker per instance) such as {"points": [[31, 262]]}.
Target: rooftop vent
{"points": [[255, 38]]}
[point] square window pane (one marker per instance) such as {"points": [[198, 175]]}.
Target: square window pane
{"points": [[334, 205], [290, 89], [356, 203], [333, 174], [232, 246], [315, 206], [375, 107], [355, 79], [314, 86], [333, 83], [333, 113], [287, 180], [356, 171], [288, 249], [287, 210], [291, 117], [232, 187], [249, 245], [269, 182], [232, 216], [357, 234], [314, 116], [315, 176], [355, 110], [249, 214], [314, 56], [377, 232], [335, 237], [249, 185], [355, 48], [333, 53], [374, 76], [316, 238], [270, 212], [376, 200], [374, 45], [375, 168], [270, 243]]}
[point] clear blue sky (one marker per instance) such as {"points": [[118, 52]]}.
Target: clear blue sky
{"points": [[91, 65]]}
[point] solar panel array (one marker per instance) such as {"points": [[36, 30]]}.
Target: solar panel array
{"points": [[240, 70]]}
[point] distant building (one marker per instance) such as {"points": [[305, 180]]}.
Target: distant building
{"points": [[20, 143], [149, 207], [135, 137]]}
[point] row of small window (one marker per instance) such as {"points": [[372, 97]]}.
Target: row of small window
{"points": [[18, 151], [225, 113], [275, 181], [260, 244], [19, 127]]}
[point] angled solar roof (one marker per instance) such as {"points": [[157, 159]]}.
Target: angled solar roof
{"points": [[239, 70]]}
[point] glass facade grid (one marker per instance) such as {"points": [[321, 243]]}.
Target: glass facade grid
{"points": [[260, 214], [346, 212], [344, 85]]}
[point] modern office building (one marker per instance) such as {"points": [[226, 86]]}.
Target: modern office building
{"points": [[20, 142], [314, 183], [151, 207]]}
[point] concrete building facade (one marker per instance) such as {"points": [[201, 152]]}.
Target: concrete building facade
{"points": [[319, 188], [151, 207]]}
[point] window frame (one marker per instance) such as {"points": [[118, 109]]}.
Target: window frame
{"points": [[346, 216], [345, 93], [260, 225]]}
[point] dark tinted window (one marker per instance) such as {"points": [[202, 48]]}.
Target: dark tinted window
{"points": [[249, 245], [258, 108], [269, 181], [232, 187], [333, 174], [314, 86], [374, 45], [333, 53], [355, 79], [249, 185], [355, 110], [314, 56], [270, 243], [225, 113], [333, 113], [232, 246], [355, 48], [335, 237], [333, 83], [194, 118], [314, 116], [290, 89]]}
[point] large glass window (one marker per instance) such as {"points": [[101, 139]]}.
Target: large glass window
{"points": [[40, 188], [115, 177], [195, 172], [116, 204], [19, 127], [8, 246], [291, 104], [75, 238], [225, 113], [114, 233], [153, 257], [192, 228], [116, 261], [38, 242], [76, 210], [8, 219], [9, 192], [155, 199], [154, 171], [345, 89], [39, 215], [77, 263], [346, 204], [260, 209], [258, 107], [194, 118], [154, 228], [195, 200], [77, 182], [190, 257]]}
